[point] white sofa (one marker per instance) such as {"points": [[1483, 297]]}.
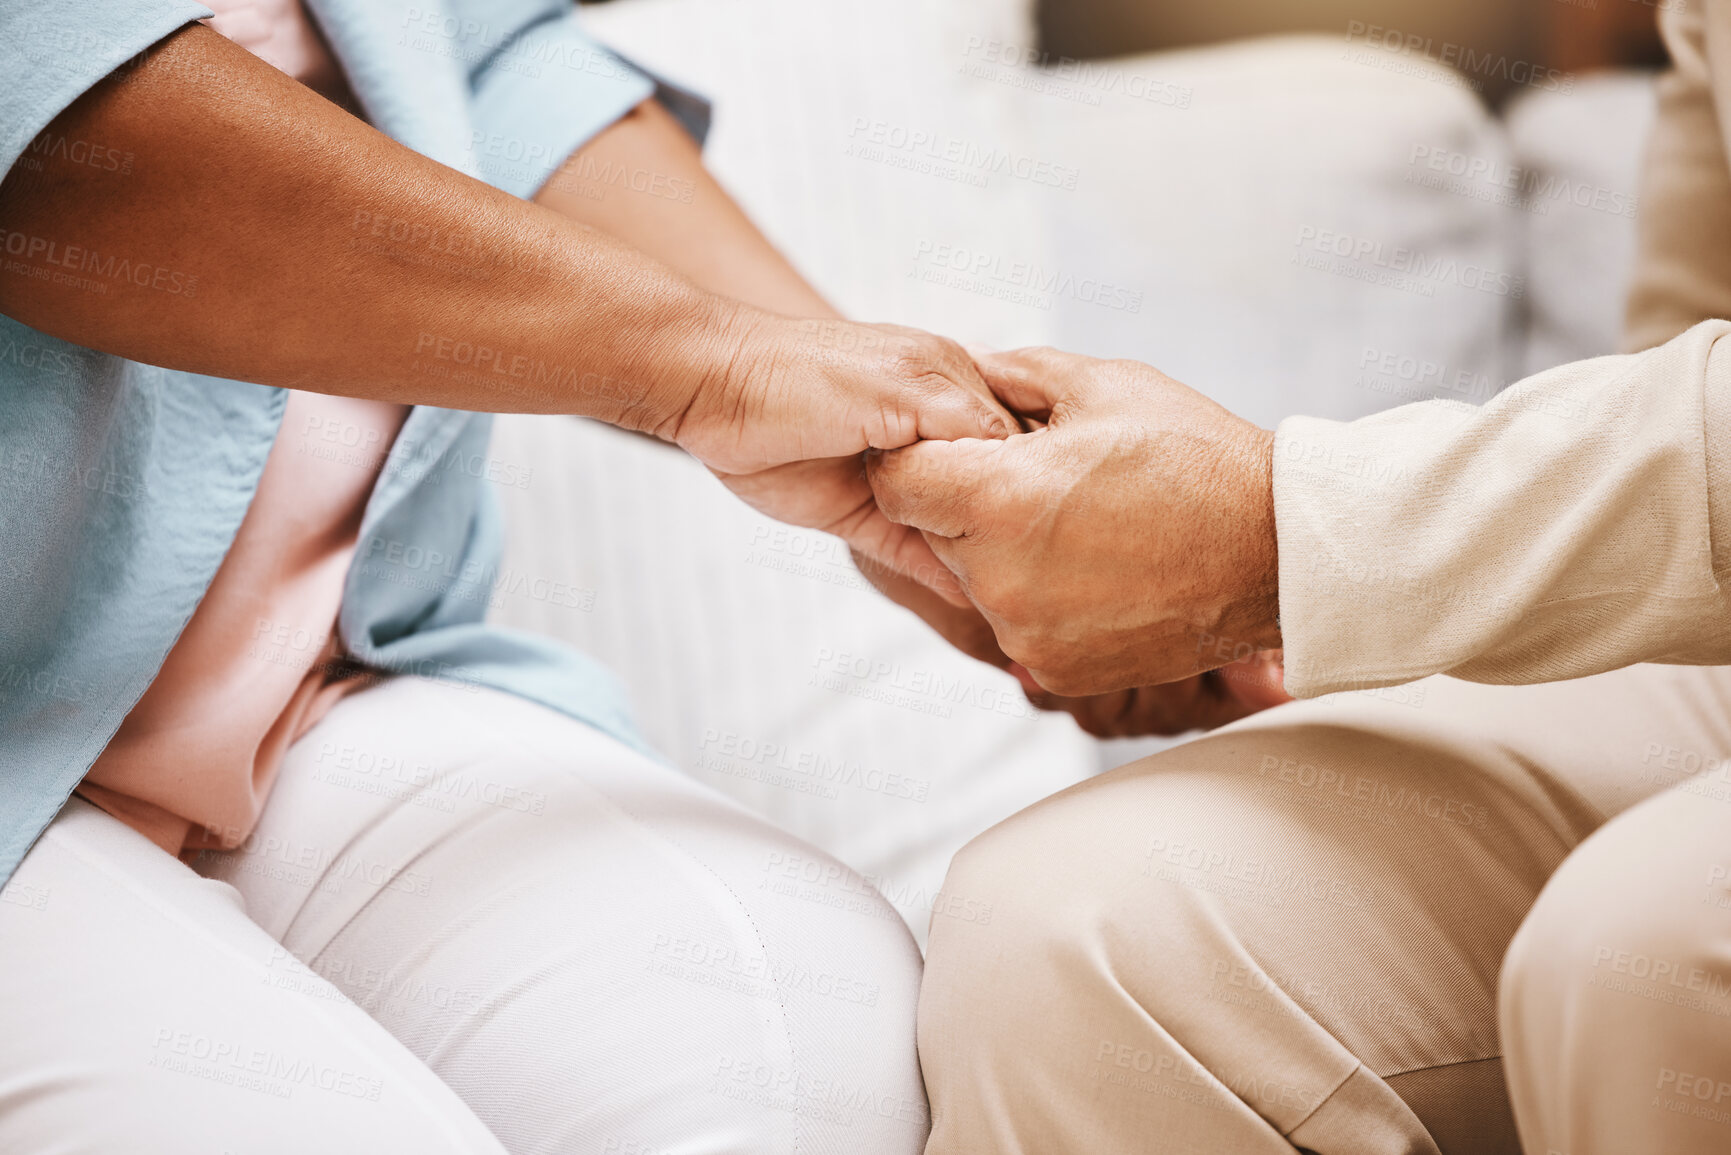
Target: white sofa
{"points": [[1185, 209]]}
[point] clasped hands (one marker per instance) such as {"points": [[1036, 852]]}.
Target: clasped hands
{"points": [[1099, 529]]}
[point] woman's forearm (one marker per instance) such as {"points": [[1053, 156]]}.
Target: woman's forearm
{"points": [[263, 234], [642, 180]]}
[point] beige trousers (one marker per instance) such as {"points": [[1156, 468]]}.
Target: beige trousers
{"points": [[1419, 919]]}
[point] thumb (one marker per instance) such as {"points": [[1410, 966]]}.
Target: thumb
{"points": [[1034, 381], [941, 487], [935, 392], [1258, 681]]}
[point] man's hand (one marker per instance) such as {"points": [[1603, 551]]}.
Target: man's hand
{"points": [[1203, 702], [786, 427], [1115, 547], [958, 623]]}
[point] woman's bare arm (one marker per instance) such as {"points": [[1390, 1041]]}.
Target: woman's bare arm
{"points": [[282, 241], [266, 235], [642, 180]]}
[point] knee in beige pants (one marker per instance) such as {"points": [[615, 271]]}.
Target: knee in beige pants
{"points": [[1290, 934], [1283, 936], [1616, 992], [1167, 960]]}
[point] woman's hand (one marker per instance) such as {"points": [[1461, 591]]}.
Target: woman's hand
{"points": [[1115, 545], [786, 428]]}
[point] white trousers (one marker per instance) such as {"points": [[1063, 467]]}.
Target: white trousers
{"points": [[464, 924]]}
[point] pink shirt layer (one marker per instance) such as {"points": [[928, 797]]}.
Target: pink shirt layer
{"points": [[193, 762]]}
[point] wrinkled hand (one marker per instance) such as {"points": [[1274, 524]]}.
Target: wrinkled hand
{"points": [[1203, 702], [786, 428], [1116, 546]]}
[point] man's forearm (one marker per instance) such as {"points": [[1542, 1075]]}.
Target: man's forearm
{"points": [[1564, 528], [265, 235]]}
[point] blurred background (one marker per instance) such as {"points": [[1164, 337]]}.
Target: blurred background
{"points": [[1570, 35]]}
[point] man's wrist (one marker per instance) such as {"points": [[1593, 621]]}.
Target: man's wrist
{"points": [[1254, 607]]}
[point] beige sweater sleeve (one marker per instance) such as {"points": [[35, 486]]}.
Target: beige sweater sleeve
{"points": [[1559, 530], [1580, 520]]}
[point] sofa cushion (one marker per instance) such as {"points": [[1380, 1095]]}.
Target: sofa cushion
{"points": [[1577, 158], [1280, 222]]}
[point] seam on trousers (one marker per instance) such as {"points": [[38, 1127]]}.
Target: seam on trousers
{"points": [[464, 827], [649, 831], [762, 944], [1332, 1092], [1437, 1067]]}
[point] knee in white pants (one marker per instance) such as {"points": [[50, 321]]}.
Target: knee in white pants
{"points": [[848, 977]]}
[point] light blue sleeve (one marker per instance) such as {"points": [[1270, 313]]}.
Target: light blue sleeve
{"points": [[54, 51], [545, 91]]}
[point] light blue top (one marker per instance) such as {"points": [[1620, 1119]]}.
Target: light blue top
{"points": [[122, 485]]}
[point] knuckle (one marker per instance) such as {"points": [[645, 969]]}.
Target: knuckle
{"points": [[1005, 601], [1091, 726], [1062, 676]]}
